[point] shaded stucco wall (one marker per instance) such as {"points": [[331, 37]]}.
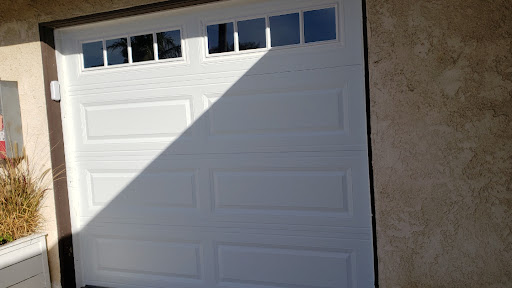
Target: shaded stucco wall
{"points": [[441, 120], [440, 99]]}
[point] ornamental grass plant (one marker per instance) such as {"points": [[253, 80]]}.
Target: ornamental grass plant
{"points": [[22, 191]]}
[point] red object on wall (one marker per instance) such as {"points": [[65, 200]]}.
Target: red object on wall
{"points": [[2, 138]]}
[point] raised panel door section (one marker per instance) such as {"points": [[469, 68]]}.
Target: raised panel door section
{"points": [[309, 111], [166, 258], [162, 188], [296, 191], [113, 122], [296, 111], [118, 257], [271, 266]]}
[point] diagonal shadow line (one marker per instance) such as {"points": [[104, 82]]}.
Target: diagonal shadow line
{"points": [[229, 178]]}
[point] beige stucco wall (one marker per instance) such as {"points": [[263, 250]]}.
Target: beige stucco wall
{"points": [[440, 98], [441, 108], [21, 63]]}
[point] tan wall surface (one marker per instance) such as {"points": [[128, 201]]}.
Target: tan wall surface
{"points": [[441, 108], [440, 97], [22, 63]]}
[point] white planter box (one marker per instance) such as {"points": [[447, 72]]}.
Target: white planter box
{"points": [[24, 263]]}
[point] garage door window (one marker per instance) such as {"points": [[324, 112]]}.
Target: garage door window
{"points": [[221, 38], [285, 29], [291, 29], [93, 54], [319, 25], [142, 48], [117, 51], [169, 44], [251, 34], [133, 49]]}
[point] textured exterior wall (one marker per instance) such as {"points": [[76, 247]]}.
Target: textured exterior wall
{"points": [[441, 91], [22, 63], [441, 108]]}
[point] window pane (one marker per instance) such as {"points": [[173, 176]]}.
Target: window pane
{"points": [[284, 29], [117, 51], [93, 54], [320, 25], [251, 34], [169, 44], [142, 48], [220, 38]]}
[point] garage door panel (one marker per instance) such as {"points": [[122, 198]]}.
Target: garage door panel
{"points": [[150, 257], [248, 188], [301, 111], [268, 266], [285, 113], [116, 121], [189, 75], [127, 190], [281, 191], [289, 111], [122, 122], [222, 259], [145, 262], [172, 189], [193, 22], [211, 71]]}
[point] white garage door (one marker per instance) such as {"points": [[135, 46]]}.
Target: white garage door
{"points": [[221, 145]]}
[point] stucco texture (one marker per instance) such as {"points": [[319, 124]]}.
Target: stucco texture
{"points": [[440, 75]]}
